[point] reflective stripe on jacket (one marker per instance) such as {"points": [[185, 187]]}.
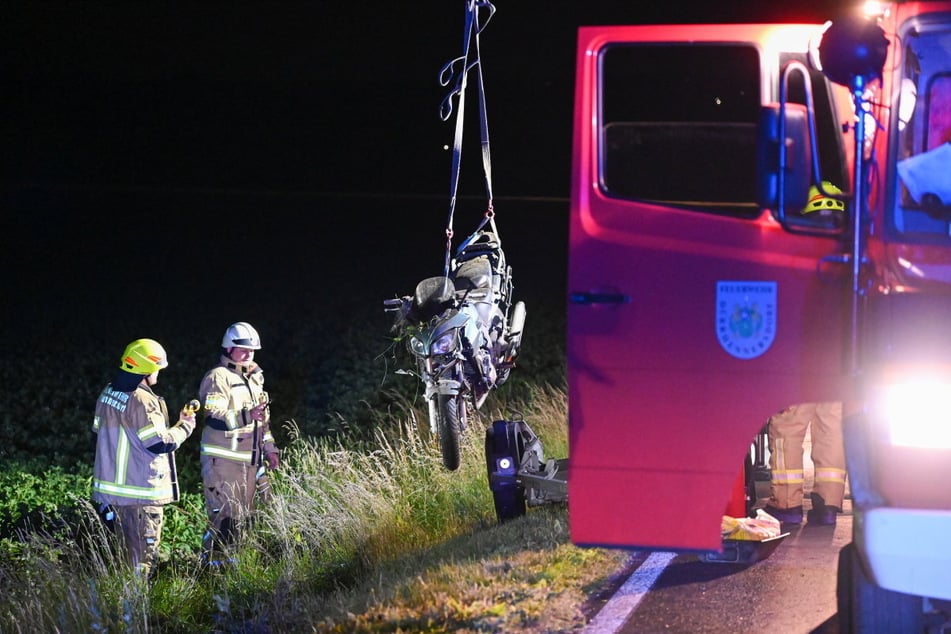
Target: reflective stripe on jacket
{"points": [[126, 471], [228, 393]]}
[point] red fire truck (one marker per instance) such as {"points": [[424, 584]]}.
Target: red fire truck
{"points": [[702, 301]]}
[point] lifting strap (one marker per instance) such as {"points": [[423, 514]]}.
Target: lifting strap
{"points": [[456, 72]]}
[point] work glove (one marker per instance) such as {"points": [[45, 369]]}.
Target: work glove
{"points": [[259, 412], [273, 460]]}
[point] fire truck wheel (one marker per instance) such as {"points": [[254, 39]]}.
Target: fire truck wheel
{"points": [[503, 451], [865, 608]]}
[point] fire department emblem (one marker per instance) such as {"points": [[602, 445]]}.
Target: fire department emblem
{"points": [[746, 317]]}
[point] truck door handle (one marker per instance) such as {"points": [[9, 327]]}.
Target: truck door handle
{"points": [[587, 299], [836, 258], [830, 267]]}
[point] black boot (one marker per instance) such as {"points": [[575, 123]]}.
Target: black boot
{"points": [[821, 514]]}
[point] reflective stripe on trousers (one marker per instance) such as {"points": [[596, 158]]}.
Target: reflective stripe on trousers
{"points": [[787, 434]]}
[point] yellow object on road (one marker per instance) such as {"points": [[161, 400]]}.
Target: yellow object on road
{"points": [[763, 526]]}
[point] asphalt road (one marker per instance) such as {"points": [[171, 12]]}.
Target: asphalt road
{"points": [[790, 591]]}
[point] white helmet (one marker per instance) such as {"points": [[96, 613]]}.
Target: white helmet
{"points": [[241, 335]]}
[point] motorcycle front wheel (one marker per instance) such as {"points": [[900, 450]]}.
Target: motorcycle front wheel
{"points": [[449, 426]]}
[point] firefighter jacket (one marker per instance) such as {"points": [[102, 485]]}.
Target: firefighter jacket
{"points": [[135, 460], [228, 392]]}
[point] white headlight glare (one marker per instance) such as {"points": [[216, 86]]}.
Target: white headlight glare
{"points": [[918, 413], [445, 344]]}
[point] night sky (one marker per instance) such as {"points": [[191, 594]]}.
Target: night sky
{"points": [[243, 158], [316, 97]]}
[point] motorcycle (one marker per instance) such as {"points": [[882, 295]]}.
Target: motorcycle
{"points": [[464, 332]]}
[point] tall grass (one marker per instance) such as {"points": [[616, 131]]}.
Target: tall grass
{"points": [[358, 536]]}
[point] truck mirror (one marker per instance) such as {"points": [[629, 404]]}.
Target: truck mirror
{"points": [[788, 162]]}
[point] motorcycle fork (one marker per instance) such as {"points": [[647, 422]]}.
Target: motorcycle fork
{"points": [[436, 384]]}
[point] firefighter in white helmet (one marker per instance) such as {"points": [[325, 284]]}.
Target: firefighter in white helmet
{"points": [[237, 447], [134, 474]]}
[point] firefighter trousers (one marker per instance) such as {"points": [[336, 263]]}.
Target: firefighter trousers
{"points": [[787, 433], [140, 530], [230, 488]]}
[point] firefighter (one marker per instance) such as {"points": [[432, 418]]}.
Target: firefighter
{"points": [[787, 432], [134, 474], [787, 429], [822, 209], [237, 447]]}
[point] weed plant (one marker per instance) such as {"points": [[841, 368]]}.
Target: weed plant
{"points": [[365, 530], [360, 535]]}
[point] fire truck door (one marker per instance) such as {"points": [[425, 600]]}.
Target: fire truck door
{"points": [[693, 315]]}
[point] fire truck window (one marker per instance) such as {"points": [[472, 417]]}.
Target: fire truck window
{"points": [[922, 192], [679, 125], [939, 111]]}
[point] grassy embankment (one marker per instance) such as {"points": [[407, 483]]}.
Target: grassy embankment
{"points": [[368, 536]]}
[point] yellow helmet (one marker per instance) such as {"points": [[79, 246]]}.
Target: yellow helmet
{"points": [[143, 356], [820, 202]]}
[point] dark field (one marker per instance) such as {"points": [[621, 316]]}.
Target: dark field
{"points": [[86, 272], [170, 172]]}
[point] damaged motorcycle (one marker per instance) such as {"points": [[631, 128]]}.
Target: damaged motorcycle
{"points": [[464, 332]]}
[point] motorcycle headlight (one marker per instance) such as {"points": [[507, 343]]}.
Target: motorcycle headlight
{"points": [[916, 412], [417, 347], [445, 344]]}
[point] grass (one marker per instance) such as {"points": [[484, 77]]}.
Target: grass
{"points": [[362, 535]]}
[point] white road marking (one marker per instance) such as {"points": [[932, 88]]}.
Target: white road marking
{"points": [[618, 609]]}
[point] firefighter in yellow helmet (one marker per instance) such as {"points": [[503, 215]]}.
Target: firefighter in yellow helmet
{"points": [[786, 430], [819, 202], [826, 209], [237, 447], [134, 475]]}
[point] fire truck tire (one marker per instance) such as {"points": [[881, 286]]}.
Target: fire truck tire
{"points": [[447, 409], [865, 608], [502, 441]]}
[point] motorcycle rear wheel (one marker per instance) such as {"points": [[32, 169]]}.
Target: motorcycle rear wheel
{"points": [[513, 341], [516, 327], [448, 424]]}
